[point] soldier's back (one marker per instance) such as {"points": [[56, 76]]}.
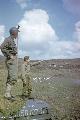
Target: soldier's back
{"points": [[7, 41]]}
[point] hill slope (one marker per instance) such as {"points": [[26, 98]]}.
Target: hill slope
{"points": [[55, 81]]}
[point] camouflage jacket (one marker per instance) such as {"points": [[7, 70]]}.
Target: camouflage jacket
{"points": [[8, 47], [26, 68]]}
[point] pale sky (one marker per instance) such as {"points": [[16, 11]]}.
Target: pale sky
{"points": [[50, 29]]}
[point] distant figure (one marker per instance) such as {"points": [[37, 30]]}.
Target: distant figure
{"points": [[26, 77], [9, 50]]}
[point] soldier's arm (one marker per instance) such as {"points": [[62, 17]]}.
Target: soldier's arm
{"points": [[36, 63], [5, 48]]}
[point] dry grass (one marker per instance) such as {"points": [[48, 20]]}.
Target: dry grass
{"points": [[59, 87], [8, 108]]}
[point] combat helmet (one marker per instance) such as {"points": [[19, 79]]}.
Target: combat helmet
{"points": [[14, 29], [26, 58]]}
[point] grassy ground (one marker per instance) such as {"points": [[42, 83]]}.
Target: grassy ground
{"points": [[7, 107], [59, 87], [61, 91]]}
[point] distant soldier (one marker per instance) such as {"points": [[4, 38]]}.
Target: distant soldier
{"points": [[26, 77], [9, 50]]}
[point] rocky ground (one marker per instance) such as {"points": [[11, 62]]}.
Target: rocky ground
{"points": [[55, 81]]}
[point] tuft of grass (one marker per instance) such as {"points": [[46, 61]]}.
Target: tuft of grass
{"points": [[8, 108]]}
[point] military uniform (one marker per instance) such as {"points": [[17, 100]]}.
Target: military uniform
{"points": [[26, 78], [9, 48]]}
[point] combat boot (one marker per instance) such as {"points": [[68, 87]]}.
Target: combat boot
{"points": [[24, 94], [30, 96], [8, 95]]}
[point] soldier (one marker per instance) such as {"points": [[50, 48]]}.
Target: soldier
{"points": [[9, 50], [26, 78]]}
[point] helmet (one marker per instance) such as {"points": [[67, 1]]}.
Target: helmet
{"points": [[13, 29], [26, 58]]}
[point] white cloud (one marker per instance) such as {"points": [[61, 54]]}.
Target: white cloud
{"points": [[39, 40], [77, 37], [22, 3], [72, 48], [77, 31], [36, 33], [2, 30]]}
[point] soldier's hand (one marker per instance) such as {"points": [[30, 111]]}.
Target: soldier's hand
{"points": [[12, 57]]}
